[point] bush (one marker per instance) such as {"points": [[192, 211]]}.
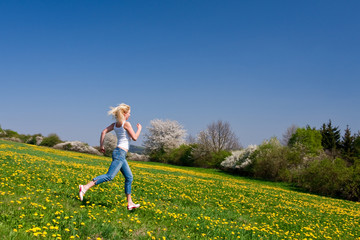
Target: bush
{"points": [[35, 139], [24, 138], [51, 140], [182, 155], [67, 146], [353, 188], [158, 156], [239, 161], [270, 160], [208, 159], [330, 177], [217, 158], [10, 133]]}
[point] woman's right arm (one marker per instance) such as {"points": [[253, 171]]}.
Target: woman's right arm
{"points": [[102, 137]]}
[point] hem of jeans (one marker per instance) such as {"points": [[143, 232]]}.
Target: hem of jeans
{"points": [[95, 180]]}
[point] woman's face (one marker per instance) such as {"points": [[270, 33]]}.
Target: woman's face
{"points": [[127, 115]]}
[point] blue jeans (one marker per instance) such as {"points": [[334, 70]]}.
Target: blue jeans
{"points": [[118, 163]]}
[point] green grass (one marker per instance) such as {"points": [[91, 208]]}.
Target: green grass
{"points": [[39, 199]]}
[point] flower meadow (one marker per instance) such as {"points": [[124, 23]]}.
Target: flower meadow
{"points": [[39, 200]]}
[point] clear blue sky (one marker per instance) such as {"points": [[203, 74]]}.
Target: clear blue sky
{"points": [[259, 65]]}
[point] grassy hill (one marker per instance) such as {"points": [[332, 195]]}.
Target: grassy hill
{"points": [[39, 199]]}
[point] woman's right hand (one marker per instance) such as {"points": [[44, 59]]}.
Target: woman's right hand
{"points": [[139, 126], [102, 149]]}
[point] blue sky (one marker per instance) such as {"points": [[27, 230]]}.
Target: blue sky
{"points": [[259, 65]]}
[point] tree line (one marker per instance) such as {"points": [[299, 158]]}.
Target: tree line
{"points": [[36, 139], [316, 160]]}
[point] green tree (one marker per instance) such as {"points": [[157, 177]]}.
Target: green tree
{"points": [[309, 137]]}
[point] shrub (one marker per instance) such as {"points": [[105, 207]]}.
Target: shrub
{"points": [[270, 160], [67, 146], [158, 156], [296, 159], [207, 159], [24, 138], [353, 188], [201, 156], [10, 133], [239, 161], [182, 155], [328, 177], [217, 158], [51, 140], [35, 139]]}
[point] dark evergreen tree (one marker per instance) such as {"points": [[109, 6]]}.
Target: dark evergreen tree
{"points": [[330, 138], [347, 145], [356, 145]]}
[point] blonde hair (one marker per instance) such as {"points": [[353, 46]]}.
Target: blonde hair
{"points": [[119, 112]]}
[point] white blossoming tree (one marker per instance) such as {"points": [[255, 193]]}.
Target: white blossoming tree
{"points": [[239, 159], [164, 135]]}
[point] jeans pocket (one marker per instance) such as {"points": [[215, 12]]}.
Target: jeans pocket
{"points": [[122, 155], [116, 154]]}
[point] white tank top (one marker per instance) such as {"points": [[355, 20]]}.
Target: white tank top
{"points": [[122, 136]]}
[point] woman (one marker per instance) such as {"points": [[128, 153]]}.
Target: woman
{"points": [[124, 133]]}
